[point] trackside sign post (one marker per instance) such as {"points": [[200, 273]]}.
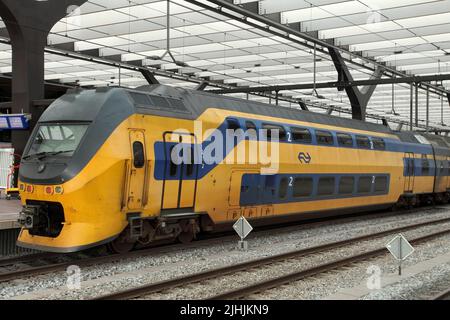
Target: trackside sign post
{"points": [[401, 249], [243, 229]]}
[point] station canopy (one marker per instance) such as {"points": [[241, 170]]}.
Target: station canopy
{"points": [[412, 36]]}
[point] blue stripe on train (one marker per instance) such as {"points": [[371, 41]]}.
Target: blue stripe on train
{"points": [[259, 189], [419, 170], [162, 149]]}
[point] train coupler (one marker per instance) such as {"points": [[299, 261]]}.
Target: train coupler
{"points": [[29, 217]]}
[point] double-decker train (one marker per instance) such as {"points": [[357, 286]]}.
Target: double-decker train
{"points": [[99, 168]]}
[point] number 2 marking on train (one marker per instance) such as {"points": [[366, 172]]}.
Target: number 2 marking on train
{"points": [[291, 181], [289, 137]]}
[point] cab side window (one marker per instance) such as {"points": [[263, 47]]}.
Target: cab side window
{"points": [[138, 154]]}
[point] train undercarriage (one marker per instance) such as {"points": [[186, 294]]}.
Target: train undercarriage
{"points": [[141, 233]]}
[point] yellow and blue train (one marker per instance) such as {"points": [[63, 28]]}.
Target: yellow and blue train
{"points": [[98, 168]]}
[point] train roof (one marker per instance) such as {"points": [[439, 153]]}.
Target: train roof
{"points": [[198, 101], [162, 100]]}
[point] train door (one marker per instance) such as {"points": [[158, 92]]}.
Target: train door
{"points": [[409, 172], [137, 172], [180, 173]]}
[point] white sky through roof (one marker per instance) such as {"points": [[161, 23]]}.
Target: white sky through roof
{"points": [[411, 35]]}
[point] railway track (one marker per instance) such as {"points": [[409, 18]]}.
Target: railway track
{"points": [[26, 258], [444, 295], [46, 261], [171, 284]]}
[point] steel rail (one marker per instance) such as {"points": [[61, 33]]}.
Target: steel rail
{"points": [[300, 275], [28, 257], [179, 281], [444, 295], [218, 237]]}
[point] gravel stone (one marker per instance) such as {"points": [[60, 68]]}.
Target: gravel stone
{"points": [[107, 278]]}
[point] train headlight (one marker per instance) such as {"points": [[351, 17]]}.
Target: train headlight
{"points": [[29, 188], [21, 187], [59, 190]]}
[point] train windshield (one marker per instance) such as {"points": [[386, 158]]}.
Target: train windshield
{"points": [[57, 139]]}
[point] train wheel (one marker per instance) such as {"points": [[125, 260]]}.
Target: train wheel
{"points": [[186, 237], [189, 229], [121, 244]]}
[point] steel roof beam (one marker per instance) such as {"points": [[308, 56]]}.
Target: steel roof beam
{"points": [[359, 99], [133, 65], [337, 84], [149, 76], [263, 23]]}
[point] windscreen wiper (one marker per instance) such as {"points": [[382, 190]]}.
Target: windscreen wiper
{"points": [[39, 154], [54, 153], [42, 155]]}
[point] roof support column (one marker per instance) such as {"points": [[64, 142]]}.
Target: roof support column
{"points": [[428, 110], [359, 99], [28, 24], [417, 104], [411, 106]]}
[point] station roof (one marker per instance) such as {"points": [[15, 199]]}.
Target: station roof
{"points": [[412, 36]]}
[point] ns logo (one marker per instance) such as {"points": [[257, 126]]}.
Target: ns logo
{"points": [[304, 157]]}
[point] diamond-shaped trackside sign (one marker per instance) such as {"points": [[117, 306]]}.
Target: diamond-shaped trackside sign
{"points": [[400, 248], [242, 227]]}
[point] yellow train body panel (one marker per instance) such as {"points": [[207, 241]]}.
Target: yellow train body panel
{"points": [[99, 200]]}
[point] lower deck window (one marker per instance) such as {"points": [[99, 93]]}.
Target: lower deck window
{"points": [[381, 184], [365, 184], [326, 186], [282, 193], [346, 185], [303, 187]]}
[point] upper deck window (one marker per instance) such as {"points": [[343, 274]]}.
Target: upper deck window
{"points": [[302, 135], [363, 142], [324, 138], [379, 144], [272, 129], [233, 124], [249, 125], [345, 140]]}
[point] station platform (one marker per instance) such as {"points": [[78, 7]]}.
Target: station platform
{"points": [[9, 228], [9, 212]]}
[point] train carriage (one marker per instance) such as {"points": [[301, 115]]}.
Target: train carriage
{"points": [[99, 167]]}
